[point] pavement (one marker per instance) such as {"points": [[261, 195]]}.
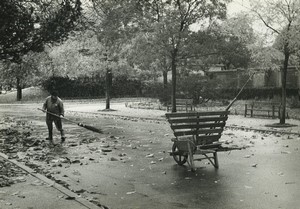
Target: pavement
{"points": [[37, 191]]}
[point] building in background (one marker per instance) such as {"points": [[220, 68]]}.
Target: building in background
{"points": [[262, 79]]}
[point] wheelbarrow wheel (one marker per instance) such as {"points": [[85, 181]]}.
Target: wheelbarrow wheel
{"points": [[180, 159]]}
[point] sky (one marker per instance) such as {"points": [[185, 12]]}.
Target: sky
{"points": [[237, 6], [242, 6]]}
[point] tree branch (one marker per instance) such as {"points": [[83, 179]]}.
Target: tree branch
{"points": [[266, 24], [199, 55]]}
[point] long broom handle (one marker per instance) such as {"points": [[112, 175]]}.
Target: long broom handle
{"points": [[59, 116], [235, 98], [91, 128]]}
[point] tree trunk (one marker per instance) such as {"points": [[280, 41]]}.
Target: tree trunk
{"points": [[19, 90], [165, 78], [108, 88], [283, 86], [174, 56]]}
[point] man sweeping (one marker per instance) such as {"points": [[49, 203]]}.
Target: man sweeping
{"points": [[54, 105]]}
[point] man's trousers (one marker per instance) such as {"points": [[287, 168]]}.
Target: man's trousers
{"points": [[58, 124]]}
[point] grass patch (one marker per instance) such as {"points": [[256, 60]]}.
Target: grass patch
{"points": [[28, 95]]}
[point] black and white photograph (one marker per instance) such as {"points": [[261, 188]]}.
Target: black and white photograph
{"points": [[149, 104]]}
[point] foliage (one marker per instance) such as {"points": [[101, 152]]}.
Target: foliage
{"points": [[157, 90], [266, 57], [165, 24], [213, 46], [27, 25], [31, 71], [124, 85], [78, 56], [146, 58], [295, 101], [90, 87], [196, 86]]}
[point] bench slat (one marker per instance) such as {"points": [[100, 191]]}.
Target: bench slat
{"points": [[190, 114], [195, 132], [195, 120], [263, 110], [195, 125]]}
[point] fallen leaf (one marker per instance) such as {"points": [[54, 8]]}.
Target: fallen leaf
{"points": [[149, 155], [113, 159], [106, 150], [80, 191], [280, 174], [292, 182], [131, 192], [21, 196], [15, 193], [70, 198]]}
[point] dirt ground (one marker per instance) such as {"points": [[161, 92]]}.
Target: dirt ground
{"points": [[128, 166]]}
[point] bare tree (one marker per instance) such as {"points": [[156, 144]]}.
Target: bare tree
{"points": [[282, 18]]}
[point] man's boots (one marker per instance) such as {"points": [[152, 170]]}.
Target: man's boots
{"points": [[63, 138], [50, 139]]}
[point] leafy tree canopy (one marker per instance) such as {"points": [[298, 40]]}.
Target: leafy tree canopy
{"points": [[27, 25]]}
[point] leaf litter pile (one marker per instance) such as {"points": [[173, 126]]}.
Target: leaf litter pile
{"points": [[23, 142], [18, 143], [12, 141]]}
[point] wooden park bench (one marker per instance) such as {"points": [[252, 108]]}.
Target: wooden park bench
{"points": [[186, 104], [197, 133], [263, 109]]}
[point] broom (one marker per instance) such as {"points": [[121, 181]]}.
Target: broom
{"points": [[91, 128], [231, 103]]}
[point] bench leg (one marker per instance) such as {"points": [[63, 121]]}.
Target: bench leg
{"points": [[191, 157], [216, 160]]}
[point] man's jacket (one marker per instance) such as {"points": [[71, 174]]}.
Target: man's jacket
{"points": [[54, 106]]}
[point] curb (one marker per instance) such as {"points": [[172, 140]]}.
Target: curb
{"points": [[262, 130], [53, 184]]}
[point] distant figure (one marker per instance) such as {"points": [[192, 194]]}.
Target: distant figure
{"points": [[54, 105]]}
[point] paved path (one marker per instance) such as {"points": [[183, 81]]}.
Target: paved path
{"points": [[262, 177]]}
